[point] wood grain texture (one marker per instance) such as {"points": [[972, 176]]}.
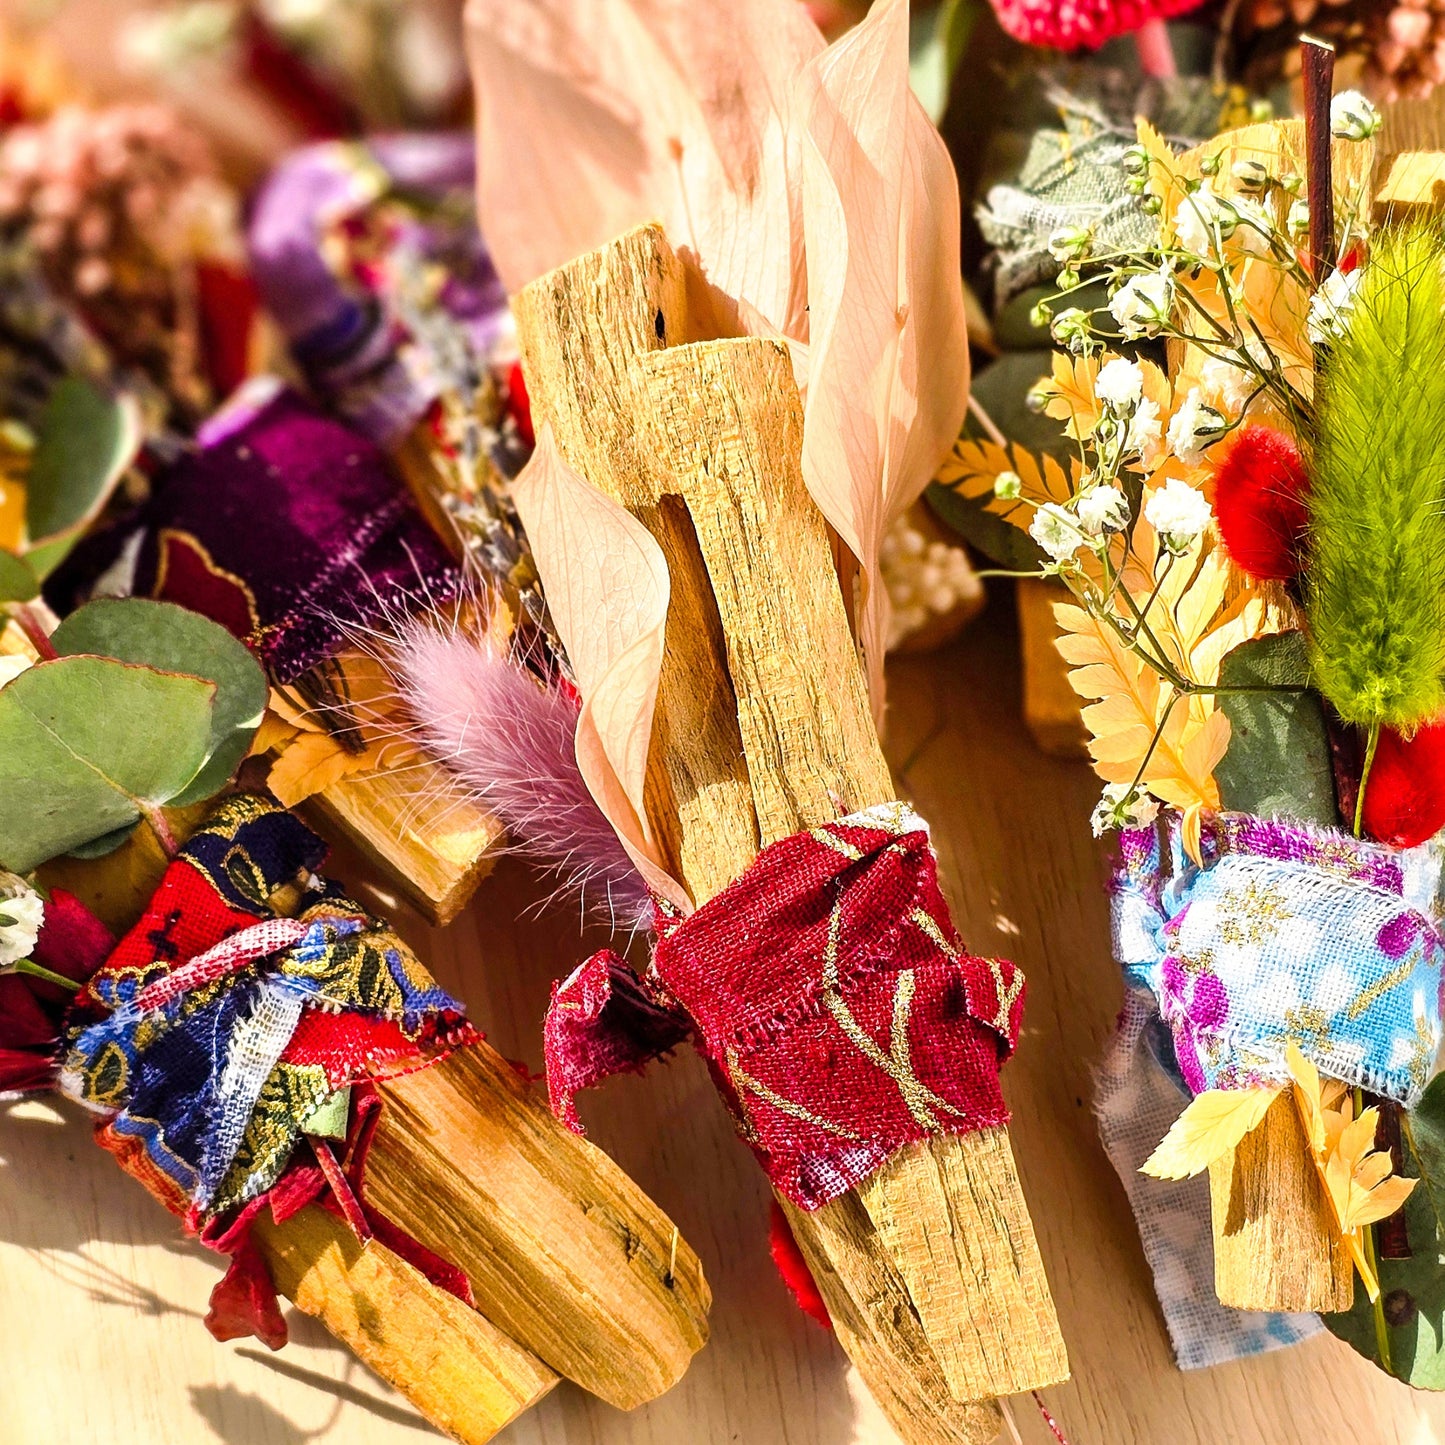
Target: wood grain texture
{"points": [[563, 1250], [99, 1287], [1269, 1206], [727, 423], [1053, 712], [457, 1367], [419, 828], [756, 618]]}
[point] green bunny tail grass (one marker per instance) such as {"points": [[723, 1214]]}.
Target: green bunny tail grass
{"points": [[1375, 561]]}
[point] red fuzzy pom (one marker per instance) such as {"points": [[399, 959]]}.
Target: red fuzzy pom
{"points": [[1259, 499], [519, 404], [1082, 24], [1405, 792], [794, 1268]]}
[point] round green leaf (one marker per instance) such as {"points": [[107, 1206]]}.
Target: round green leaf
{"points": [[17, 582], [162, 635], [1278, 763], [106, 844], [85, 440], [89, 745]]}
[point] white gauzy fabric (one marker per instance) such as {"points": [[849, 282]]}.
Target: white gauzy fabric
{"points": [[1136, 1101], [256, 1046]]}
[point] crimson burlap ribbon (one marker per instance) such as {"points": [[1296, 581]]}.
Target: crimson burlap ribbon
{"points": [[828, 991]]}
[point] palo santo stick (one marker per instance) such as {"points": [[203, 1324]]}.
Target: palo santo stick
{"points": [[417, 825], [451, 1362], [568, 1255], [459, 1370], [1275, 1247], [949, 1213], [581, 328], [563, 1251], [584, 348]]}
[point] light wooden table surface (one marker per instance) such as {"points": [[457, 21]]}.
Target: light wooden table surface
{"points": [[101, 1301]]}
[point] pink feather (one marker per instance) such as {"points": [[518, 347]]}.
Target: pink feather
{"points": [[511, 739]]}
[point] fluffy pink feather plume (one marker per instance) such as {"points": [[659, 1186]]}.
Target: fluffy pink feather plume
{"points": [[510, 738]]}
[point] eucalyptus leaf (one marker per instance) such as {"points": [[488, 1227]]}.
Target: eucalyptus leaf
{"points": [[18, 583], [47, 556], [85, 440], [162, 635], [88, 745], [1278, 761], [1412, 1290], [106, 844]]}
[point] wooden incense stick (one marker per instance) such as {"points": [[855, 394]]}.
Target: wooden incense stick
{"points": [[575, 1271], [463, 1373], [1276, 1243], [1275, 1246], [1317, 75], [930, 1268], [419, 828]]}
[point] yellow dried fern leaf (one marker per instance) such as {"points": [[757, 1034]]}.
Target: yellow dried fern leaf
{"points": [[1209, 1128]]}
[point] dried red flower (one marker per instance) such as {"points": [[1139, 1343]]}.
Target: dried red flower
{"points": [[794, 1268], [73, 943], [519, 404], [1082, 24], [1405, 792], [1260, 494]]}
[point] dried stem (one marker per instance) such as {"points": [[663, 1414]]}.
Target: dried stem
{"points": [[1318, 61]]}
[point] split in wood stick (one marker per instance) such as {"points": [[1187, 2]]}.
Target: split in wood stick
{"points": [[563, 1250]]}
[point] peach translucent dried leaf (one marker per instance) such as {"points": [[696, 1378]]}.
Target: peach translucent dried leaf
{"points": [[607, 587], [888, 362]]}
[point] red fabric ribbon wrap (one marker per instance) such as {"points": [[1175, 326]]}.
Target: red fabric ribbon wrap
{"points": [[837, 1009]]}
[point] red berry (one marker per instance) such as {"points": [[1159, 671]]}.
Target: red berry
{"points": [[519, 404], [1260, 496], [1405, 792]]}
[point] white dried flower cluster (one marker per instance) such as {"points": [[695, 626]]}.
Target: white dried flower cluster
{"points": [[22, 910], [1144, 303], [1102, 509], [924, 579], [1331, 306], [1204, 219], [1353, 117], [1226, 387], [1193, 427], [1057, 531], [1179, 513], [1122, 806], [1120, 385]]}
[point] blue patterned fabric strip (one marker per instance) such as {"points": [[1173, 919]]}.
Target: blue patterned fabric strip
{"points": [[1286, 933]]}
